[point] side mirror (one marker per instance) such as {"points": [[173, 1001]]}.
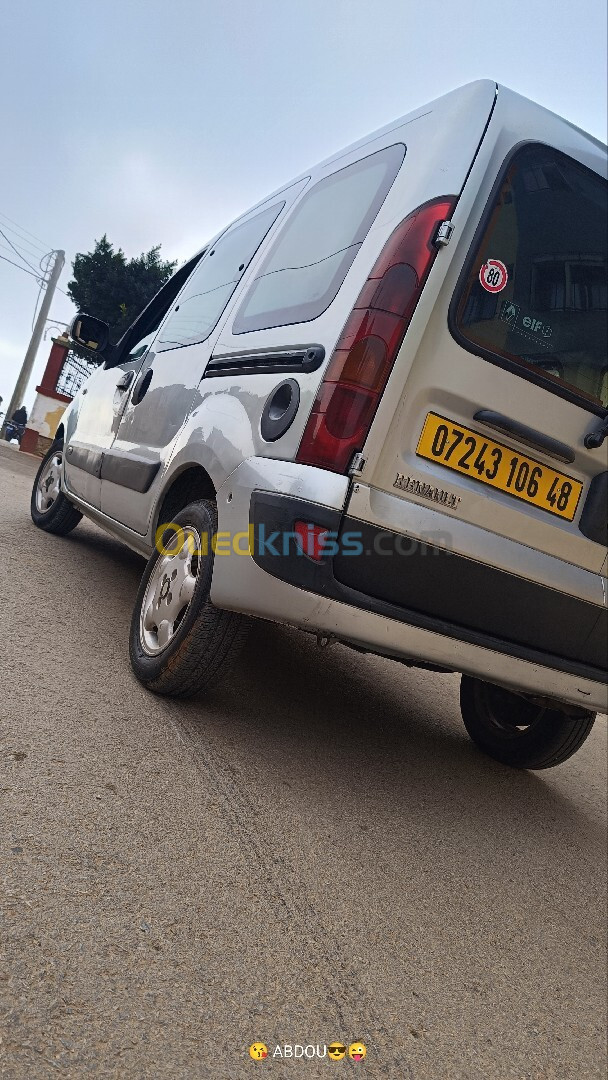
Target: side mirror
{"points": [[90, 333]]}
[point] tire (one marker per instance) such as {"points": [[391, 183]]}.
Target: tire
{"points": [[517, 732], [49, 507], [196, 644]]}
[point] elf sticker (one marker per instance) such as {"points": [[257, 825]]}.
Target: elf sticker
{"points": [[493, 276]]}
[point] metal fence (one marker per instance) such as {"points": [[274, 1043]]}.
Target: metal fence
{"points": [[74, 372]]}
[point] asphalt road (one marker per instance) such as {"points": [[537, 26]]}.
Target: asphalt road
{"points": [[316, 852]]}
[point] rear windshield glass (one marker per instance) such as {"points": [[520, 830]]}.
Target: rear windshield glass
{"points": [[536, 291], [315, 250]]}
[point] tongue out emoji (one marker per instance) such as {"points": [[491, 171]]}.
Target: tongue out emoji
{"points": [[357, 1051]]}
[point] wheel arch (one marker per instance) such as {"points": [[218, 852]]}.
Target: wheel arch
{"points": [[192, 482]]}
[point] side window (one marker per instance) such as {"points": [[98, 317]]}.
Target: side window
{"points": [[139, 347], [536, 290], [313, 253], [214, 281], [140, 335]]}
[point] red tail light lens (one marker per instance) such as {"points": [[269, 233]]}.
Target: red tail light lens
{"points": [[363, 358], [311, 538]]}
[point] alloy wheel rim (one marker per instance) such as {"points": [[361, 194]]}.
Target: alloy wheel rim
{"points": [[48, 488], [170, 590]]}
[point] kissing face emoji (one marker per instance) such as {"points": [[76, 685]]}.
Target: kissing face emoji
{"points": [[258, 1051], [336, 1051], [357, 1051]]}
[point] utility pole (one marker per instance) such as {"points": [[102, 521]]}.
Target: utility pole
{"points": [[32, 349]]}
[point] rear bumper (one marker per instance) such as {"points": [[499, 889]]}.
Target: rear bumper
{"points": [[513, 632]]}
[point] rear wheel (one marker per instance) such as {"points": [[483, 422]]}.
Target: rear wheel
{"points": [[50, 509], [179, 642], [517, 732]]}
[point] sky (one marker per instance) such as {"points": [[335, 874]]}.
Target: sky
{"points": [[160, 122]]}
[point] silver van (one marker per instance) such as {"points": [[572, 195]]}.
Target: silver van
{"points": [[374, 407]]}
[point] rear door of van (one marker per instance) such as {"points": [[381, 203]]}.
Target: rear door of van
{"points": [[486, 440]]}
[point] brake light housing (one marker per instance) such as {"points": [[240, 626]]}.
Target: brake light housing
{"points": [[354, 382]]}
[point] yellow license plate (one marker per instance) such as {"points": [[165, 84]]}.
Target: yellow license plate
{"points": [[492, 463]]}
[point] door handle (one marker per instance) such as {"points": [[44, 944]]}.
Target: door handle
{"points": [[141, 387], [525, 434], [125, 380]]}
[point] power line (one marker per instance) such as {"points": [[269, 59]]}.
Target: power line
{"points": [[5, 247], [17, 252], [37, 276], [41, 280], [33, 253], [26, 231], [40, 276], [9, 252], [32, 250]]}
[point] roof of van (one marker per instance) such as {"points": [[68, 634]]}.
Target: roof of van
{"points": [[473, 93], [476, 89]]}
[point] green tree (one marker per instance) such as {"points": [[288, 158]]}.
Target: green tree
{"points": [[112, 288]]}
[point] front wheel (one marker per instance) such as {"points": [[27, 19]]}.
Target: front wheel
{"points": [[179, 642], [50, 509], [518, 732]]}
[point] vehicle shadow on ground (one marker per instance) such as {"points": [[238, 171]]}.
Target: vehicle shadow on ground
{"points": [[371, 732], [98, 544], [375, 735]]}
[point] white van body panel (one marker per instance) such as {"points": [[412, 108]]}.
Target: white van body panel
{"points": [[455, 146]]}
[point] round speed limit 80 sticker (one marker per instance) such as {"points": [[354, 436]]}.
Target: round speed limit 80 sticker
{"points": [[493, 276]]}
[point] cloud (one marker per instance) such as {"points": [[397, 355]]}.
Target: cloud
{"points": [[141, 199]]}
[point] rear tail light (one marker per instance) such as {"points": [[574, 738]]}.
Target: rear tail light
{"points": [[365, 353]]}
